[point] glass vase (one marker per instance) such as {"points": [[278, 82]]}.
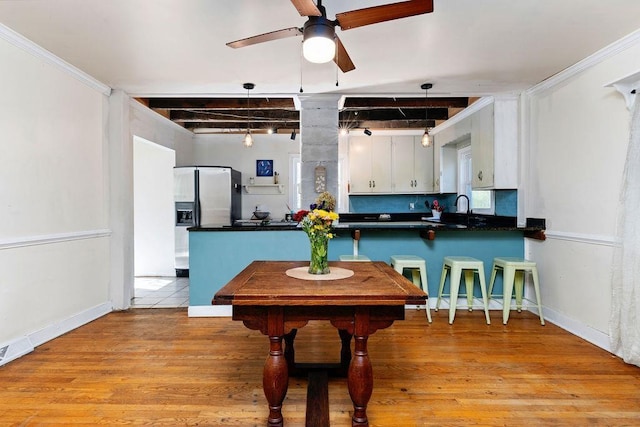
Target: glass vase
{"points": [[319, 263]]}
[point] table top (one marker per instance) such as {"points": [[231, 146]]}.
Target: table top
{"points": [[265, 283]]}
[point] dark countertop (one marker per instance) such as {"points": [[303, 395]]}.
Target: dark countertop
{"points": [[418, 221]]}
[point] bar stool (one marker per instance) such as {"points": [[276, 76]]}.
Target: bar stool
{"points": [[418, 267], [513, 270], [469, 266], [355, 235]]}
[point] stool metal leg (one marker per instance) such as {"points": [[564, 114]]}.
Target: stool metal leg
{"points": [[415, 278], [536, 286], [443, 276], [507, 282], [453, 296], [494, 270], [518, 285], [425, 287], [483, 289], [468, 281]]}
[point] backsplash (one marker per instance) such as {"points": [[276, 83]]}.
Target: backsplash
{"points": [[394, 203], [506, 202]]}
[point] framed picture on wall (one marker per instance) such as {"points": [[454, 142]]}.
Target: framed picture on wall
{"points": [[264, 167]]}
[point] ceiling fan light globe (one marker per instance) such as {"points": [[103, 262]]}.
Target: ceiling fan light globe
{"points": [[319, 49]]}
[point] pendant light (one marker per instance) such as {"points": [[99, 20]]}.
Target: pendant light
{"points": [[427, 140], [248, 139]]}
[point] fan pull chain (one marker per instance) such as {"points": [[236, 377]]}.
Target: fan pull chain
{"points": [[301, 61], [336, 62]]}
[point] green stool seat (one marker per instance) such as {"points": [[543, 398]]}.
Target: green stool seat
{"points": [[458, 265], [513, 270]]}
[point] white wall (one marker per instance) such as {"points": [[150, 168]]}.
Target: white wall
{"points": [[153, 208], [573, 159], [227, 150], [54, 221], [151, 126]]}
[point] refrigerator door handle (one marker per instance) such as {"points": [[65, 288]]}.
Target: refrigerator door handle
{"points": [[196, 201]]}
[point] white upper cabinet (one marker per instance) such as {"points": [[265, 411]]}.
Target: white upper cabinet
{"points": [[482, 148], [492, 126], [445, 155], [370, 164], [412, 165], [494, 145]]}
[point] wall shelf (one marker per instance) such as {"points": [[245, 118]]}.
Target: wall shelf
{"points": [[264, 188]]}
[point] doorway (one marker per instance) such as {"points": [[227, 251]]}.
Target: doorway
{"points": [[155, 283]]}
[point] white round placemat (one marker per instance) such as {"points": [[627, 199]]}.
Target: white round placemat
{"points": [[335, 273]]}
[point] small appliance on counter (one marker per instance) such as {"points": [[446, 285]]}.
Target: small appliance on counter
{"points": [[203, 195], [261, 213]]}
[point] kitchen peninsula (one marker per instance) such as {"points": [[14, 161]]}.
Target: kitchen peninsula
{"points": [[219, 253]]}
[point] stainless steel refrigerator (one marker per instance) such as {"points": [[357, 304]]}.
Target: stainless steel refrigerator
{"points": [[204, 196]]}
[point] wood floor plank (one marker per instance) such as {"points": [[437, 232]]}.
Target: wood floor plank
{"points": [[159, 367]]}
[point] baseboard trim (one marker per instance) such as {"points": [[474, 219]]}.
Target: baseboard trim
{"points": [[210, 311], [15, 349], [27, 344], [579, 329]]}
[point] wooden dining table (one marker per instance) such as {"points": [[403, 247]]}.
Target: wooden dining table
{"points": [[358, 298]]}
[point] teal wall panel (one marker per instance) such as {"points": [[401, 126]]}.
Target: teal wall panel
{"points": [[216, 257]]}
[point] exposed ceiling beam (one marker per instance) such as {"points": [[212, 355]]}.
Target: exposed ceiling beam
{"points": [[231, 115], [220, 103], [369, 103]]}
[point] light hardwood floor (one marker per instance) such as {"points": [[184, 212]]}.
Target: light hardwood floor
{"points": [[161, 368]]}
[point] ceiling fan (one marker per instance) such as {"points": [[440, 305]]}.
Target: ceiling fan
{"points": [[319, 40]]}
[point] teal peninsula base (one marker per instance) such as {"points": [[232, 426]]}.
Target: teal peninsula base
{"points": [[216, 256]]}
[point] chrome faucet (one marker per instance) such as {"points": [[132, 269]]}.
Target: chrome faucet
{"points": [[468, 203]]}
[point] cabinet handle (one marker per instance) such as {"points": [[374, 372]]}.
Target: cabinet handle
{"points": [[369, 184], [415, 183], [480, 175], [374, 183]]}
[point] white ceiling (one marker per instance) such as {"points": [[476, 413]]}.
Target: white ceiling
{"points": [[177, 47]]}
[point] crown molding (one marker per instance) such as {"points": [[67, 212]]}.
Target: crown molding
{"points": [[143, 109], [588, 62], [39, 52], [479, 104]]}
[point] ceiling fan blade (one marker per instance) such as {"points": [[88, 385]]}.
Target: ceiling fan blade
{"points": [[266, 37], [306, 8], [342, 58], [388, 12]]}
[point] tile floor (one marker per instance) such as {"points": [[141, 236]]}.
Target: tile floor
{"points": [[161, 292]]}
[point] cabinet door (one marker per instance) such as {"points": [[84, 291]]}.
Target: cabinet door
{"points": [[423, 166], [482, 130], [360, 165], [381, 164], [404, 159]]}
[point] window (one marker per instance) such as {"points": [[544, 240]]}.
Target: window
{"points": [[482, 201], [295, 183], [295, 179]]}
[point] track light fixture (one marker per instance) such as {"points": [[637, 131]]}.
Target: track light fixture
{"points": [[367, 132], [427, 140], [248, 139], [293, 135]]}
